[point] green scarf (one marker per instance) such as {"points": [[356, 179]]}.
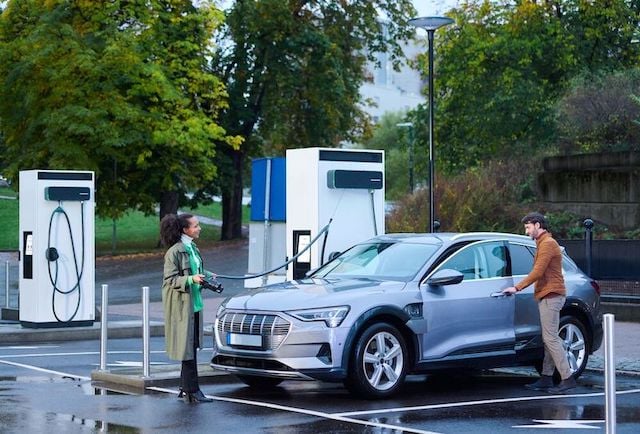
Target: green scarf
{"points": [[196, 295]]}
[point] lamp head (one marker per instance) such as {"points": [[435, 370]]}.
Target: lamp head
{"points": [[431, 23]]}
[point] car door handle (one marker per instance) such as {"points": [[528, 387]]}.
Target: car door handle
{"points": [[498, 294]]}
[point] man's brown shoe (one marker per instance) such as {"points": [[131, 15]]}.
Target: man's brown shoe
{"points": [[564, 386], [545, 382]]}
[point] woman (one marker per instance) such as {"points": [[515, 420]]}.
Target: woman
{"points": [[182, 299]]}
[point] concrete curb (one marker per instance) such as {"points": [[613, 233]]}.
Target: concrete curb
{"points": [[132, 380]]}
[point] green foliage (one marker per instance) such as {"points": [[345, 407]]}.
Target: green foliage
{"points": [[9, 219], [493, 197], [295, 68], [135, 231], [502, 67], [499, 72], [568, 226], [293, 72], [397, 143], [119, 88], [600, 112]]}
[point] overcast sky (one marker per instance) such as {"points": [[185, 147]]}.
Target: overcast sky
{"points": [[427, 8]]}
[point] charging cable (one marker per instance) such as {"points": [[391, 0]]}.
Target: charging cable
{"points": [[53, 256], [264, 273]]}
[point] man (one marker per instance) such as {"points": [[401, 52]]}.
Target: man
{"points": [[550, 292]]}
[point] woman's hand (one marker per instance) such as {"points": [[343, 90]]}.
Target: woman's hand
{"points": [[197, 278]]}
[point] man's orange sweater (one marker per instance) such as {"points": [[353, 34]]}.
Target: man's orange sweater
{"points": [[547, 269]]}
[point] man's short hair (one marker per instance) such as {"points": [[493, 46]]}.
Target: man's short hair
{"points": [[535, 217]]}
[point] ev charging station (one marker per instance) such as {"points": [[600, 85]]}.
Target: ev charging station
{"points": [[344, 187], [57, 252], [267, 225]]}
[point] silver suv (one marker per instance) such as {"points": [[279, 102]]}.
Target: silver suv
{"points": [[402, 304]]}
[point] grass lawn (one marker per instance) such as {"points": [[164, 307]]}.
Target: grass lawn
{"points": [[135, 232]]}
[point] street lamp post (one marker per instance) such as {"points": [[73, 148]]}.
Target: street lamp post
{"points": [[431, 24], [409, 125]]}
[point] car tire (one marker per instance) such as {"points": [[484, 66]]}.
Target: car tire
{"points": [[376, 373], [259, 382], [576, 343]]}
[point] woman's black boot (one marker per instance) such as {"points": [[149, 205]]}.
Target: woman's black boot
{"points": [[196, 397]]}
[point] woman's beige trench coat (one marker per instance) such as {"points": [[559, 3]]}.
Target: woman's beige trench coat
{"points": [[178, 306]]}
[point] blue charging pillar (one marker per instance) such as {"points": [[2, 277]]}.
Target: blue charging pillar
{"points": [[267, 227]]}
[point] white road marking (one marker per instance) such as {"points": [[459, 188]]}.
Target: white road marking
{"points": [[562, 424], [79, 353], [480, 402], [132, 364], [26, 347], [48, 371], [307, 412]]}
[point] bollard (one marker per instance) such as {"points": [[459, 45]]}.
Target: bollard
{"points": [[609, 374], [6, 283], [588, 226], [145, 331], [103, 328]]}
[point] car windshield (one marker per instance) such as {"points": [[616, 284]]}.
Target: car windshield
{"points": [[383, 260]]}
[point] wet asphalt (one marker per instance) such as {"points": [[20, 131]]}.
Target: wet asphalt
{"points": [[47, 387]]}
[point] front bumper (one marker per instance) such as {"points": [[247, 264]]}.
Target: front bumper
{"points": [[279, 346]]}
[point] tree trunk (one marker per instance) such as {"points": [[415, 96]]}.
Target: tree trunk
{"points": [[232, 201], [168, 203]]}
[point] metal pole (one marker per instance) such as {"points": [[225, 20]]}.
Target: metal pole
{"points": [[431, 141], [411, 146], [145, 331], [267, 211], [609, 374], [103, 328], [6, 283], [588, 225]]}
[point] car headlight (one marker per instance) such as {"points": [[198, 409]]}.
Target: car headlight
{"points": [[332, 316], [221, 308]]}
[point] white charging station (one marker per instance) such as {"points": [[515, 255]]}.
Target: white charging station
{"points": [[57, 250], [343, 186]]}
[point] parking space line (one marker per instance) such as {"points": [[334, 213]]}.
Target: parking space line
{"points": [[305, 411], [78, 353], [479, 402], [47, 371]]}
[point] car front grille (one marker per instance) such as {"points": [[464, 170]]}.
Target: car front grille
{"points": [[272, 328]]}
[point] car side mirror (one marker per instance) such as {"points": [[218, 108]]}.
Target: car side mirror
{"points": [[332, 256], [446, 276]]}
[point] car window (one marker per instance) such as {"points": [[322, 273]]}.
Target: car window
{"points": [[479, 261], [568, 266], [521, 259]]}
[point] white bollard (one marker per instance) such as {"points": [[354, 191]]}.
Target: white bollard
{"points": [[609, 374], [145, 331], [103, 328]]}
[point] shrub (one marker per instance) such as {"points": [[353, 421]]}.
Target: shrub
{"points": [[493, 197]]}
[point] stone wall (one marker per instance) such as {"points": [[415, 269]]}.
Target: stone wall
{"points": [[604, 187]]}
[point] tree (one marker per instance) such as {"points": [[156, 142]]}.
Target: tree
{"points": [[600, 112], [396, 143], [120, 88], [293, 71], [504, 65]]}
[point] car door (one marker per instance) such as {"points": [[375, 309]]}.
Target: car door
{"points": [[527, 318], [470, 319]]}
